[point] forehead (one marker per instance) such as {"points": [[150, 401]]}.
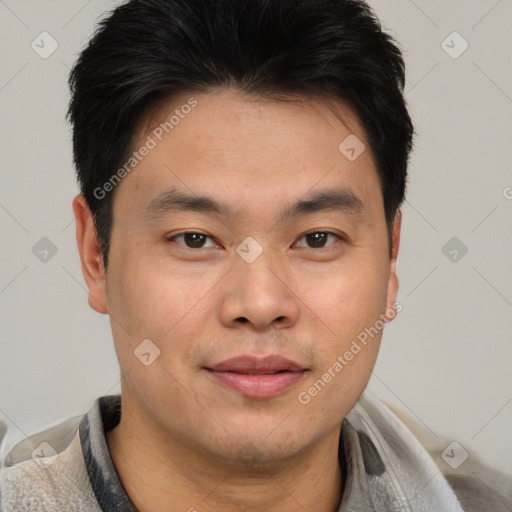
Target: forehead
{"points": [[225, 116], [235, 146]]}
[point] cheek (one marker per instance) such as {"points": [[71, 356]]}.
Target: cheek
{"points": [[152, 301], [151, 296], [348, 303], [349, 296], [350, 313]]}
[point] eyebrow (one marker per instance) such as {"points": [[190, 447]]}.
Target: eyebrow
{"points": [[342, 200]]}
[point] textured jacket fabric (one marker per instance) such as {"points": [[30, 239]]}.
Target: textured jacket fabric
{"points": [[69, 468]]}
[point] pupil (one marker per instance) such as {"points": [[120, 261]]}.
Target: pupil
{"points": [[194, 240], [316, 239]]}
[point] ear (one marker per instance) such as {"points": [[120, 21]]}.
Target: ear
{"points": [[393, 279], [90, 255]]}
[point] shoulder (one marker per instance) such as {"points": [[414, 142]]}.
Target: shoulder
{"points": [[46, 471], [476, 486]]}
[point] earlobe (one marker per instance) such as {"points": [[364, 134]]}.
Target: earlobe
{"points": [[90, 255], [393, 278]]}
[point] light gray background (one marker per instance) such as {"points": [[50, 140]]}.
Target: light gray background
{"points": [[446, 359]]}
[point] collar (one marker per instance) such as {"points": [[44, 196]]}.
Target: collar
{"points": [[105, 414]]}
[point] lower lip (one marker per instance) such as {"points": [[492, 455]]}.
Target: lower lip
{"points": [[259, 386]]}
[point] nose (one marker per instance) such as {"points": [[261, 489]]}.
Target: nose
{"points": [[259, 294]]}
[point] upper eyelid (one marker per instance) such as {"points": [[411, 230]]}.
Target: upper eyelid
{"points": [[328, 231], [337, 235], [170, 238]]}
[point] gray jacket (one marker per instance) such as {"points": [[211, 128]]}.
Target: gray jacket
{"points": [[68, 468]]}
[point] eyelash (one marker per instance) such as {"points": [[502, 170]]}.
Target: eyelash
{"points": [[172, 238]]}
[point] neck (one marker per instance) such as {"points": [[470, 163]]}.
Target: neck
{"points": [[160, 474]]}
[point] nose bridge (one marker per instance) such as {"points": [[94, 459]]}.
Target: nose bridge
{"points": [[257, 290], [260, 277], [263, 274]]}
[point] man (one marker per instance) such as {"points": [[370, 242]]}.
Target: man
{"points": [[242, 165]]}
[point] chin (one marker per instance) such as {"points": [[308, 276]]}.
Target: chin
{"points": [[257, 449]]}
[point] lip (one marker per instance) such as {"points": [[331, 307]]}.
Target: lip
{"points": [[258, 377]]}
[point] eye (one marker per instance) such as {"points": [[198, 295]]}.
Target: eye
{"points": [[318, 239], [192, 240], [195, 240]]}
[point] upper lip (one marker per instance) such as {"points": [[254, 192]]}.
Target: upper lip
{"points": [[257, 365]]}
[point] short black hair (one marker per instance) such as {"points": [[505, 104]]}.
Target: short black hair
{"points": [[147, 51]]}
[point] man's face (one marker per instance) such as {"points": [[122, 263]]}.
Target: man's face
{"points": [[250, 284]]}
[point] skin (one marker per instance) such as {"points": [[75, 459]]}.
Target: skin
{"points": [[185, 441]]}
